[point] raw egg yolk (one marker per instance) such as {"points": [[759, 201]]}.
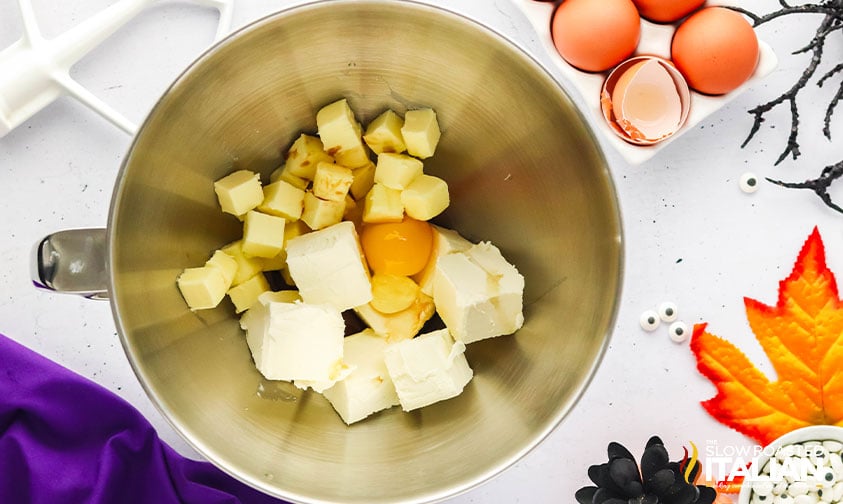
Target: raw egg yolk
{"points": [[397, 248]]}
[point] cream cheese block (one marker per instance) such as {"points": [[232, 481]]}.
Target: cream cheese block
{"points": [[295, 341], [427, 369], [478, 293], [445, 241], [327, 267], [368, 388]]}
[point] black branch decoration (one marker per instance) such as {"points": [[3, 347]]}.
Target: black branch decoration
{"points": [[830, 14]]}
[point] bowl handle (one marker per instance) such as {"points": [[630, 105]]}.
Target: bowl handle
{"points": [[72, 261]]}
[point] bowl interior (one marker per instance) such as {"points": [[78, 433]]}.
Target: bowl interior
{"points": [[524, 172]]}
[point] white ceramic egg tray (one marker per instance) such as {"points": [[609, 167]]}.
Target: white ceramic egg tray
{"points": [[655, 40]]}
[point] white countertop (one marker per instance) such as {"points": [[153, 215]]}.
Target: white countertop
{"points": [[691, 235]]}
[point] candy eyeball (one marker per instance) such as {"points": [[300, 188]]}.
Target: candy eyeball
{"points": [[649, 320], [749, 183], [678, 331], [667, 311]]}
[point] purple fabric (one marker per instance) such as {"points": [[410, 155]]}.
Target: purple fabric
{"points": [[65, 439]]}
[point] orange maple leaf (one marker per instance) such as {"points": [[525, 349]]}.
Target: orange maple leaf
{"points": [[803, 337]]}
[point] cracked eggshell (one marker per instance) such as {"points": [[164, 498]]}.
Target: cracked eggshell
{"points": [[645, 100]]}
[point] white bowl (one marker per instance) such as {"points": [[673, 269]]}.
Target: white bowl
{"points": [[811, 433]]}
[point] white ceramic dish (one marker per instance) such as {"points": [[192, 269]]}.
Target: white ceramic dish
{"points": [[655, 40], [811, 433]]}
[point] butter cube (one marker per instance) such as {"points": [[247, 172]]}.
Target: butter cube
{"points": [[295, 228], [276, 263], [245, 294], [445, 241], [282, 199], [383, 204], [478, 293], [426, 197], [401, 325], [397, 171], [282, 296], [341, 134], [427, 369], [282, 173], [420, 132], [294, 341], [327, 267], [332, 181], [263, 235], [201, 287], [319, 213], [247, 266], [364, 178], [303, 156], [226, 264], [368, 388], [383, 134], [239, 192]]}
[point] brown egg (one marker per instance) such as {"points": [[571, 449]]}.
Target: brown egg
{"points": [[715, 49], [667, 11], [595, 35]]}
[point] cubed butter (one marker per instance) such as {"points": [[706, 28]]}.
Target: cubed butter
{"points": [[445, 241], [294, 341], [341, 134], [276, 263], [420, 132], [368, 388], [398, 326], [247, 266], [239, 192], [383, 204], [263, 234], [282, 199], [397, 171], [282, 173], [427, 369], [332, 181], [383, 134], [226, 264], [303, 156], [327, 267], [478, 293], [364, 178], [426, 197], [320, 213], [244, 295], [201, 287]]}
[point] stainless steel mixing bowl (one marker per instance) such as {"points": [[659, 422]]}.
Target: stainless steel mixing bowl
{"points": [[524, 171]]}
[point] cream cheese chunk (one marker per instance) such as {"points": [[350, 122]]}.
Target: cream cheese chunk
{"points": [[368, 388], [445, 241], [478, 293], [295, 341], [427, 369], [327, 267]]}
